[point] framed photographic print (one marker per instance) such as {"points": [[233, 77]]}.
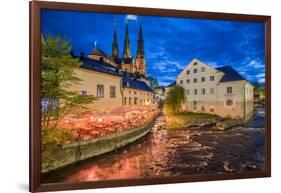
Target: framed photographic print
{"points": [[123, 96]]}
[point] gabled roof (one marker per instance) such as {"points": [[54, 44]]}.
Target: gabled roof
{"points": [[99, 66], [172, 84], [229, 74], [136, 84]]}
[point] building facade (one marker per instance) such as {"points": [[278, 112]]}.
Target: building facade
{"points": [[221, 91], [115, 81]]}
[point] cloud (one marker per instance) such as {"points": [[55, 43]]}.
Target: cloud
{"points": [[256, 64], [132, 17]]}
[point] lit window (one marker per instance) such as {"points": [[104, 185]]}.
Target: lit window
{"points": [[112, 92], [229, 90], [100, 90], [212, 78], [229, 102], [202, 108], [194, 105], [203, 79]]}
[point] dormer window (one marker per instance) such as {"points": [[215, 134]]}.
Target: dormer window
{"points": [[195, 63]]}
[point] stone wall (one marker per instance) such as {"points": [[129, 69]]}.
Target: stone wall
{"points": [[78, 151]]}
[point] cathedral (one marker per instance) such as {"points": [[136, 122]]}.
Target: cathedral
{"points": [[126, 63]]}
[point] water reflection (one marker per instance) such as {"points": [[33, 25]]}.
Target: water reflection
{"points": [[177, 152]]}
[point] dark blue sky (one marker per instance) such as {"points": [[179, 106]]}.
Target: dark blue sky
{"points": [[169, 43]]}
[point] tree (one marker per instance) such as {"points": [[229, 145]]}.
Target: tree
{"points": [[57, 73], [175, 98]]}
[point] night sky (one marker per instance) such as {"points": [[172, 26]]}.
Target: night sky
{"points": [[169, 43]]}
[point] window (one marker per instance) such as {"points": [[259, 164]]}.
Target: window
{"points": [[130, 100], [203, 91], [203, 69], [195, 63], [212, 91], [195, 91], [181, 81], [112, 92], [212, 109], [187, 72], [195, 80], [229, 90], [212, 78], [187, 92], [187, 81], [229, 102], [194, 105], [84, 92], [100, 90], [202, 108], [135, 92], [125, 100], [194, 70], [135, 100], [203, 79]]}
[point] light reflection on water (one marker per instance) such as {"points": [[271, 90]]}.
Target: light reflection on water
{"points": [[177, 152]]}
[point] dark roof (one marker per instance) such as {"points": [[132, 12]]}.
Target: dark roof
{"points": [[99, 66], [172, 84], [100, 52], [136, 84], [229, 74]]}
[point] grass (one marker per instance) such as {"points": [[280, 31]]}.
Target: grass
{"points": [[182, 119], [193, 116]]}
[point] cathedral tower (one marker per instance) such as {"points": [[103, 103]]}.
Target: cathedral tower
{"points": [[140, 64], [115, 44], [127, 45]]}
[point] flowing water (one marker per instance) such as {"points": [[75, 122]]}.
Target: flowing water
{"points": [[176, 152]]}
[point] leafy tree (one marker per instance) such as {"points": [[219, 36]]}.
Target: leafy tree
{"points": [[175, 98], [57, 73]]}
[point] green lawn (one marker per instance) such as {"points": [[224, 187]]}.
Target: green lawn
{"points": [[193, 116]]}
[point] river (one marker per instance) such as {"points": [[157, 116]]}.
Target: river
{"points": [[176, 152]]}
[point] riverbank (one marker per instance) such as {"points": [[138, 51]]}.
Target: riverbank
{"points": [[74, 152]]}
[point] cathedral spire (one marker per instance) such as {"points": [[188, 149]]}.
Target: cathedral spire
{"points": [[140, 50], [127, 45], [115, 44]]}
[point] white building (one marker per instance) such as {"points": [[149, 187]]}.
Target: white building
{"points": [[221, 91]]}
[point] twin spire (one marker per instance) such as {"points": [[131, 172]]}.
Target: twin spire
{"points": [[127, 44]]}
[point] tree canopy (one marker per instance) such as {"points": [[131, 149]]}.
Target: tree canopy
{"points": [[175, 98], [57, 74]]}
